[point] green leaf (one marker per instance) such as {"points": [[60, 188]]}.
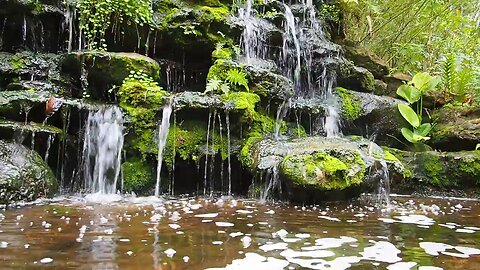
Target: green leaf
{"points": [[477, 147], [409, 114], [225, 88], [423, 129], [432, 84], [213, 85], [408, 135], [409, 93], [421, 80]]}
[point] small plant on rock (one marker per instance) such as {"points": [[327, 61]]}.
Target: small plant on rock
{"points": [[413, 93]]}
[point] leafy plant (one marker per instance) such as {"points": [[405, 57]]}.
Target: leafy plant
{"points": [[458, 78], [413, 93], [98, 16], [238, 77], [216, 85], [477, 147]]}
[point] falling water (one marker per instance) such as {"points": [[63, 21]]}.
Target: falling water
{"points": [[206, 155], [227, 120], [290, 36], [383, 197], [102, 149], [272, 183], [24, 30], [254, 38], [281, 113], [162, 141], [49, 144], [69, 20]]}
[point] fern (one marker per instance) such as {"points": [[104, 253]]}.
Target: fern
{"points": [[449, 73], [213, 85], [235, 76]]}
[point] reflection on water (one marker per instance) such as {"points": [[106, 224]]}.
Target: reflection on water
{"points": [[189, 233]]}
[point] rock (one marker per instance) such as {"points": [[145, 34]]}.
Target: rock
{"points": [[318, 164], [23, 174], [368, 60], [355, 78], [437, 170], [457, 128], [381, 88], [268, 84], [394, 81], [107, 69]]}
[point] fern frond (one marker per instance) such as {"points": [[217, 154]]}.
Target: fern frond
{"points": [[213, 85], [235, 76], [449, 73]]}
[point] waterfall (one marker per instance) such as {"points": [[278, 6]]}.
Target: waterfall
{"points": [[253, 41], [290, 36], [102, 149], [162, 141], [383, 193], [281, 113], [272, 183]]}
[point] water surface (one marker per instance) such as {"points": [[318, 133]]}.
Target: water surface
{"points": [[192, 233]]}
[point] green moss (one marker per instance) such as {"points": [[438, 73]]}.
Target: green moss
{"points": [[188, 141], [433, 169], [323, 170], [351, 106], [243, 101], [142, 101], [137, 176]]}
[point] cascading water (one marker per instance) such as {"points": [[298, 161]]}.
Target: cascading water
{"points": [[162, 141], [103, 143], [253, 42], [290, 37]]}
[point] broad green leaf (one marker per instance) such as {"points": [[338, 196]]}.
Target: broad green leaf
{"points": [[423, 129], [409, 93], [420, 138], [421, 80], [432, 84], [408, 135], [478, 146], [409, 114]]}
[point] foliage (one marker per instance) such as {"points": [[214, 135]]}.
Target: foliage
{"points": [[459, 79], [413, 93], [141, 98], [98, 16], [413, 35]]}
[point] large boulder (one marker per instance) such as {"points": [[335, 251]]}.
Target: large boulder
{"points": [[368, 60], [457, 128], [312, 167], [23, 174]]}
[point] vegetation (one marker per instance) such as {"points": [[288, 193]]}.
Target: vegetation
{"points": [[413, 93], [439, 37]]}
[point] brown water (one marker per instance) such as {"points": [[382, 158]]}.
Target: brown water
{"points": [[142, 233]]}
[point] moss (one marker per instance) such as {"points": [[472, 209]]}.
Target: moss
{"points": [[242, 101], [138, 176], [142, 101], [431, 166], [189, 140], [351, 106], [324, 170]]}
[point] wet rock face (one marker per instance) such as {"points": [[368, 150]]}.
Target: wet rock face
{"points": [[23, 174]]}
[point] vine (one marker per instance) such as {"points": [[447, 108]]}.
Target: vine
{"points": [[98, 16]]}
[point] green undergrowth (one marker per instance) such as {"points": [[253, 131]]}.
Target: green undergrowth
{"points": [[138, 176], [142, 98]]}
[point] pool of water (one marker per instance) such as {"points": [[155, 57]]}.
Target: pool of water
{"points": [[226, 233]]}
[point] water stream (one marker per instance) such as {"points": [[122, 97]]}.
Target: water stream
{"points": [[162, 141]]}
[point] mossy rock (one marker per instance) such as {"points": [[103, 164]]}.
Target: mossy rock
{"points": [[323, 171], [440, 171], [355, 78], [457, 128], [107, 69], [23, 174]]}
